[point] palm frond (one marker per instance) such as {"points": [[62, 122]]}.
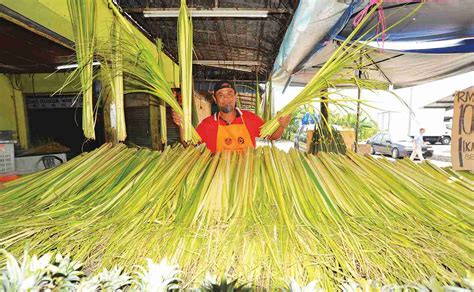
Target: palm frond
{"points": [[83, 15], [332, 74]]}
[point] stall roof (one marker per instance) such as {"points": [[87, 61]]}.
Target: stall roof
{"points": [[233, 39], [28, 47], [445, 102], [397, 68]]}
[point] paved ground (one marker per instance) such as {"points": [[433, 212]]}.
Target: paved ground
{"points": [[284, 145], [441, 153]]}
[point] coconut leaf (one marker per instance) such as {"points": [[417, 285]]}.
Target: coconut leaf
{"points": [[83, 15], [261, 216], [185, 55]]}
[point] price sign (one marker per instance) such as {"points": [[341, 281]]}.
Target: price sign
{"points": [[462, 145]]}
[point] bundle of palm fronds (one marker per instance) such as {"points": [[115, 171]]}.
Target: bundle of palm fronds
{"points": [[261, 216], [185, 49], [83, 14], [145, 73], [326, 139]]}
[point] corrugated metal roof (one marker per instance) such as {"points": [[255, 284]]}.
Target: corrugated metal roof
{"points": [[240, 40]]}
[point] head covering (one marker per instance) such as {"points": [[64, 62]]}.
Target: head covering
{"points": [[223, 84]]}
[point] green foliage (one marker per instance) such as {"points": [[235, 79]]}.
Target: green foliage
{"points": [[259, 216], [294, 125], [158, 277], [367, 127], [64, 274], [211, 284], [39, 274], [312, 286]]}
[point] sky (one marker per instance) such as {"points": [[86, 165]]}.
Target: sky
{"points": [[389, 111]]}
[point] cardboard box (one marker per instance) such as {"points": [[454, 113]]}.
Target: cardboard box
{"points": [[462, 143], [364, 149]]}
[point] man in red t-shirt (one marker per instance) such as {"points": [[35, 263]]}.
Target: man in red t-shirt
{"points": [[231, 128]]}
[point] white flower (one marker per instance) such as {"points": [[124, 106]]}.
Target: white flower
{"points": [[158, 277], [113, 280], [349, 286], [312, 286]]}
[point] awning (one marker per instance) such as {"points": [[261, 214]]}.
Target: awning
{"points": [[445, 102], [392, 67], [439, 27], [435, 43], [314, 24]]}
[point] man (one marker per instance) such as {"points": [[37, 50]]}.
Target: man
{"points": [[417, 146], [231, 128]]}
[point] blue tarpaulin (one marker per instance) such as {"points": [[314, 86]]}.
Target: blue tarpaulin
{"points": [[439, 27], [437, 42]]}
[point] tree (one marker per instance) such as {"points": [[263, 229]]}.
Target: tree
{"points": [[367, 127]]}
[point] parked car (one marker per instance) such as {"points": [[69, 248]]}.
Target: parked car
{"points": [[394, 146]]}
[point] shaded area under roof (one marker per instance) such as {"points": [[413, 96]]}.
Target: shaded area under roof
{"points": [[27, 47], [231, 47]]}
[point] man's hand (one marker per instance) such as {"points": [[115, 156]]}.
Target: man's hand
{"points": [[177, 119], [284, 121]]}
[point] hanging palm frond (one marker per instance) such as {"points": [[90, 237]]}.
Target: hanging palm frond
{"points": [[185, 55], [257, 94], [83, 19], [112, 77], [268, 106], [142, 70], [163, 127], [117, 83]]}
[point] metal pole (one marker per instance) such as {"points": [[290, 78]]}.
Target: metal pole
{"points": [[410, 112]]}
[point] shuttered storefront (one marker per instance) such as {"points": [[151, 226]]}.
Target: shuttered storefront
{"points": [[137, 120]]}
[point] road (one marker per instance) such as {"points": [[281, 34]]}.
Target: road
{"points": [[441, 153]]}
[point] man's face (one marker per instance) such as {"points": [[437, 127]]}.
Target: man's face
{"points": [[422, 131], [225, 99]]}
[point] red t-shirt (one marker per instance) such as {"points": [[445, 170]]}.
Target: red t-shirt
{"points": [[207, 129]]}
